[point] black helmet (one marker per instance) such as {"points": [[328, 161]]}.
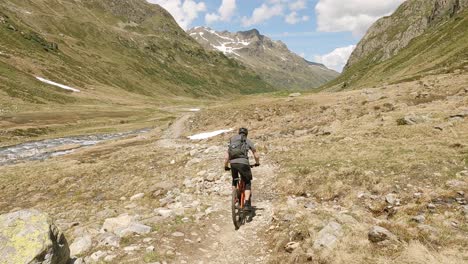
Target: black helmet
{"points": [[244, 131]]}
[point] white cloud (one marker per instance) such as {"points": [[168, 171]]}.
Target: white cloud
{"points": [[263, 13], [355, 16], [274, 8], [184, 12], [336, 59], [298, 5], [293, 18], [225, 12]]}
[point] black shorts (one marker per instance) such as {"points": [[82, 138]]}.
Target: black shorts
{"points": [[245, 173]]}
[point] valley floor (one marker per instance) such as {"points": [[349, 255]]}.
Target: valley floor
{"points": [[334, 167]]}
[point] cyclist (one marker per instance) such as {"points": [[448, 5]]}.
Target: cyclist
{"points": [[238, 156]]}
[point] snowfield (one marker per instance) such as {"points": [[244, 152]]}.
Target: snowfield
{"points": [[58, 85], [209, 134]]}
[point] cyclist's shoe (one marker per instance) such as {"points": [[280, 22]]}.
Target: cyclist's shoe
{"points": [[248, 205]]}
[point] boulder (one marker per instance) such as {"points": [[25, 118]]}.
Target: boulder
{"points": [[29, 236], [328, 236], [379, 234]]}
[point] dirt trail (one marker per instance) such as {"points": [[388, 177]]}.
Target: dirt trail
{"points": [[226, 245], [220, 242]]}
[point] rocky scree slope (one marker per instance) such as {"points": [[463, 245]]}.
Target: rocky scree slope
{"points": [[272, 60], [112, 47], [421, 37]]}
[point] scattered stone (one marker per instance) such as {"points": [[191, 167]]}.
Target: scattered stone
{"points": [[29, 236], [461, 174], [110, 258], [391, 198], [379, 234], [109, 239], [302, 132], [291, 246], [96, 256], [125, 225], [310, 205], [328, 236], [178, 234], [137, 196], [80, 245], [456, 184], [413, 120], [431, 206], [419, 219], [465, 210], [131, 248], [295, 95], [147, 240], [150, 249]]}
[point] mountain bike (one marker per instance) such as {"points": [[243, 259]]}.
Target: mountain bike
{"points": [[239, 214]]}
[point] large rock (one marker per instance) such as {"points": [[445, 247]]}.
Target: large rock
{"points": [[29, 236], [125, 225], [81, 245], [328, 236]]}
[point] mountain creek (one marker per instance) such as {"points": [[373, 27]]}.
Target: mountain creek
{"points": [[41, 150]]}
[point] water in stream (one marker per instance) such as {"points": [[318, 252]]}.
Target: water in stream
{"points": [[44, 149]]}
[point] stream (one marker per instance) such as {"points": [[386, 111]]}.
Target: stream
{"points": [[44, 149]]}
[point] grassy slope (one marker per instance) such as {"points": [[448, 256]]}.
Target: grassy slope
{"points": [[345, 151], [126, 57], [441, 49]]}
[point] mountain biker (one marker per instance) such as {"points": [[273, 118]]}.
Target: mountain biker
{"points": [[238, 156]]}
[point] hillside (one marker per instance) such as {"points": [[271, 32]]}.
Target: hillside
{"points": [[272, 60], [420, 38], [335, 167], [126, 57]]}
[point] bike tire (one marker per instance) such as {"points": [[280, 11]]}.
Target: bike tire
{"points": [[236, 212]]}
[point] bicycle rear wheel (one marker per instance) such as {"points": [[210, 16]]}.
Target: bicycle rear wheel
{"points": [[237, 215]]}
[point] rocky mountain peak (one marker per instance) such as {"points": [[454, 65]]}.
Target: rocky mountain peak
{"points": [[269, 58]]}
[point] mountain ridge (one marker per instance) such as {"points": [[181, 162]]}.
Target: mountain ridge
{"points": [[419, 38], [271, 59]]}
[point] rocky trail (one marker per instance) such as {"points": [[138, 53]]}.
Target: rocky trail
{"points": [[218, 240]]}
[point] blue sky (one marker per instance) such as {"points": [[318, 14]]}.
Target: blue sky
{"points": [[319, 30]]}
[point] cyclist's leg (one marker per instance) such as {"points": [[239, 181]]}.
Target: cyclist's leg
{"points": [[246, 174], [235, 176]]}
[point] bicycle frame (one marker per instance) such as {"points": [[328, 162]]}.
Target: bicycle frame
{"points": [[241, 188]]}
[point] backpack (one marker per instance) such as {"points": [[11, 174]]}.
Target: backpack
{"points": [[238, 148]]}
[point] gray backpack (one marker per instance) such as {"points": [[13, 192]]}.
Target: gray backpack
{"points": [[238, 148]]}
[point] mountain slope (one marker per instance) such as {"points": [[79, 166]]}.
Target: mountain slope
{"points": [[125, 46], [272, 60], [420, 38]]}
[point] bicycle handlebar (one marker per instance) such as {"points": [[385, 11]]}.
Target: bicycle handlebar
{"points": [[251, 166]]}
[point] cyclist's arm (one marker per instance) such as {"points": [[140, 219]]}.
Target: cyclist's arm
{"points": [[256, 156], [226, 159]]}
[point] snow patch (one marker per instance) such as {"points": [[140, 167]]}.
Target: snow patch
{"points": [[58, 85], [209, 134], [194, 109]]}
